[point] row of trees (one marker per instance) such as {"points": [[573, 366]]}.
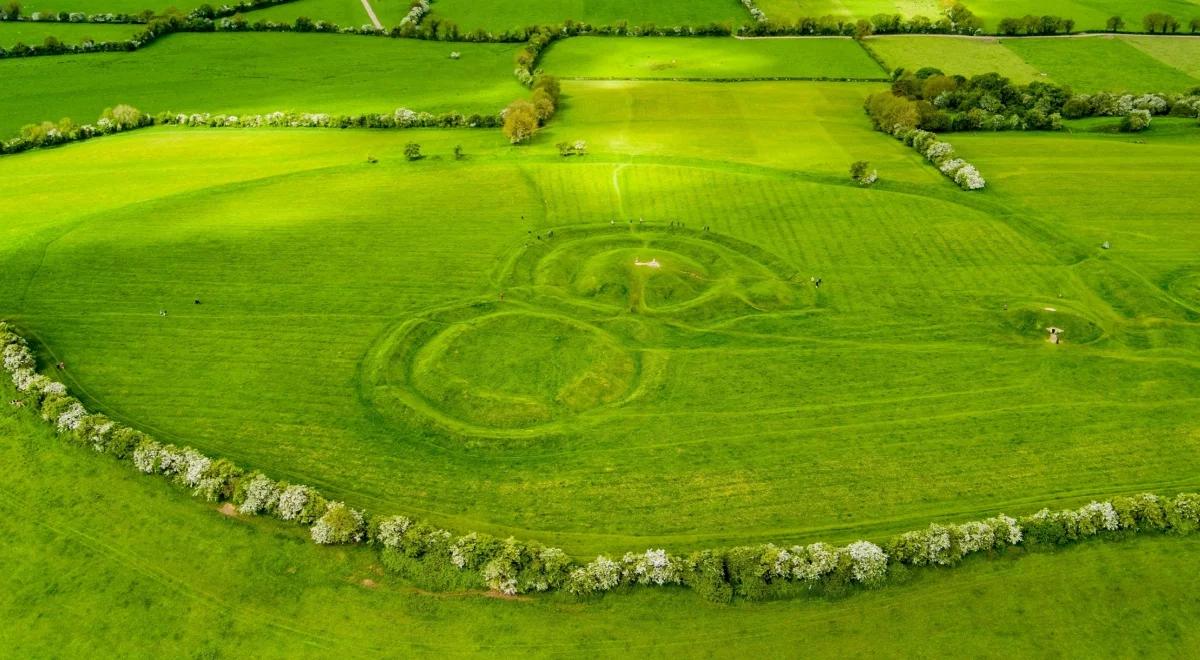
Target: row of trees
{"points": [[956, 20], [512, 566], [522, 118], [938, 102], [890, 115], [47, 134], [1032, 25]]}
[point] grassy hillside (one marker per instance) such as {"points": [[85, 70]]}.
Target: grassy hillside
{"points": [[930, 318], [84, 535], [240, 73], [670, 57], [472, 14], [1182, 54]]}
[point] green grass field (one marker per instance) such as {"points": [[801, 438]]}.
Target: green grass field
{"points": [[34, 34], [168, 573], [670, 57], [1088, 15], [497, 16], [954, 55], [1086, 64], [707, 383], [1101, 63], [604, 353], [342, 12], [242, 73], [1182, 54]]}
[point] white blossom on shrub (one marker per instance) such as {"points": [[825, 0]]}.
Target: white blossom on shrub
{"points": [[602, 574], [817, 561], [938, 151], [71, 418], [1102, 515], [292, 502], [969, 178], [651, 567], [17, 356], [261, 494], [868, 562], [391, 531], [974, 537], [146, 456], [340, 524]]}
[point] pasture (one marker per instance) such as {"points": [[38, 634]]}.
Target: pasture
{"points": [[34, 34], [684, 380], [1088, 15], [954, 55], [249, 73], [499, 16], [716, 57], [167, 572], [702, 333], [1088, 64]]}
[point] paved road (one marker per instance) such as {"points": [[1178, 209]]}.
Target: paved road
{"points": [[371, 13]]}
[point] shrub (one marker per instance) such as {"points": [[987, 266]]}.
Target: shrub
{"points": [[412, 151], [651, 567], [598, 576], [339, 525], [258, 494], [868, 562], [1136, 121], [861, 172]]}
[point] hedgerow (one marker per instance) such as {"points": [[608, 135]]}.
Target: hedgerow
{"points": [[511, 566], [126, 118]]}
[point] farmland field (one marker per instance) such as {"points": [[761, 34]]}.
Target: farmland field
{"points": [[1117, 64], [499, 16], [34, 34], [671, 57], [1088, 15], [169, 573], [697, 308], [241, 73]]}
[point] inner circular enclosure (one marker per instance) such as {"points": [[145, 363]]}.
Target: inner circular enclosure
{"points": [[516, 369]]}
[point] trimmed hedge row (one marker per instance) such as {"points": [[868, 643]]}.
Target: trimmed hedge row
{"points": [[126, 118], [511, 566]]}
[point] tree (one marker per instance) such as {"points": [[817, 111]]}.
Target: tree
{"points": [[412, 151], [1115, 24], [12, 11], [543, 105], [1136, 121], [520, 121], [1194, 25], [861, 172]]}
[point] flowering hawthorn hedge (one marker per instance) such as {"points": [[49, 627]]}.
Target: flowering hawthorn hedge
{"points": [[512, 566], [125, 118]]}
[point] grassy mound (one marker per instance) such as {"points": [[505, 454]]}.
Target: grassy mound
{"points": [[517, 369]]}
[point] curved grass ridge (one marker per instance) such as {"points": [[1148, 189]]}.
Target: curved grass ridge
{"points": [[511, 566]]}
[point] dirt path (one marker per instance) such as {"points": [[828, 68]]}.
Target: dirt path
{"points": [[371, 13]]}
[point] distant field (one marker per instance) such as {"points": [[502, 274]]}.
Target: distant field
{"points": [[669, 57], [343, 12], [1100, 63], [34, 34], [954, 55], [1088, 15], [260, 73], [1182, 54], [472, 14], [1085, 63]]}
